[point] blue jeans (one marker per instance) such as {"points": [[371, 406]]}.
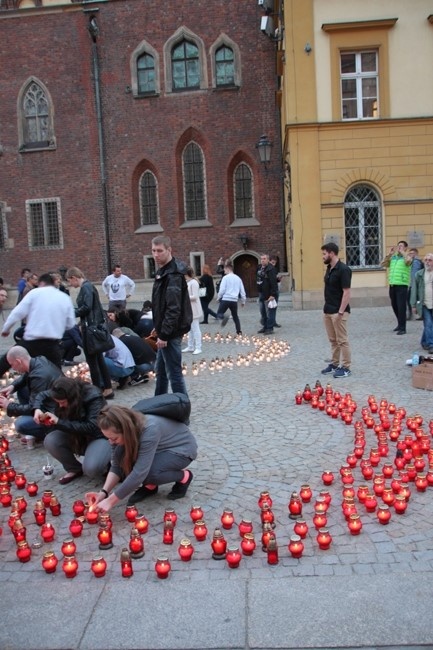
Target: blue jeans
{"points": [[232, 306], [267, 316], [427, 333], [168, 368], [26, 426], [117, 371]]}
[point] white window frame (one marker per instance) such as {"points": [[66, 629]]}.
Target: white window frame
{"points": [[359, 76], [193, 256]]}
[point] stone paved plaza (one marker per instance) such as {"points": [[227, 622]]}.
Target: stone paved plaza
{"points": [[370, 590]]}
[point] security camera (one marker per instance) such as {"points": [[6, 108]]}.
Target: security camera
{"points": [[267, 26]]}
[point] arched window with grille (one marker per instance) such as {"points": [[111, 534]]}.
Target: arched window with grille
{"points": [[243, 192], [185, 64], [194, 183], [149, 204], [35, 119], [146, 74], [363, 227]]}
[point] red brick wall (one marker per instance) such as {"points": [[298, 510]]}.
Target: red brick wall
{"points": [[57, 49]]}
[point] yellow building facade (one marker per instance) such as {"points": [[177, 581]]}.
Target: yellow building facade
{"points": [[356, 100]]}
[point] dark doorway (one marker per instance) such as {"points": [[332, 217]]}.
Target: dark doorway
{"points": [[246, 267]]}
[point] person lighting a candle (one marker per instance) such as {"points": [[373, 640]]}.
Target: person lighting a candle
{"points": [[147, 451], [69, 413]]}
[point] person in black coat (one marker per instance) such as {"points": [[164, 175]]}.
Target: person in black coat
{"points": [[90, 312], [72, 427], [206, 281]]}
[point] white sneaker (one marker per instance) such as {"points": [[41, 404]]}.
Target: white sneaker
{"points": [[188, 350], [197, 352]]}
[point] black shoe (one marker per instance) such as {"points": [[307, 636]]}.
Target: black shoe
{"points": [[277, 325], [396, 329], [401, 332], [139, 379], [224, 321], [69, 363], [179, 490], [204, 322], [262, 331], [140, 494], [123, 382], [271, 331]]}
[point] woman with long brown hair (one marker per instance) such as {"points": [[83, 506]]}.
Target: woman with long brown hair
{"points": [[148, 451], [69, 411]]}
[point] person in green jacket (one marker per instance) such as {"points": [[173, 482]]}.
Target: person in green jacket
{"points": [[398, 261]]}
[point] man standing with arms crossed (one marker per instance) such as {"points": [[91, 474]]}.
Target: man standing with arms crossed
{"points": [[336, 311], [172, 316]]}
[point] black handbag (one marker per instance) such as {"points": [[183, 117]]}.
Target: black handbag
{"points": [[97, 338], [174, 406]]}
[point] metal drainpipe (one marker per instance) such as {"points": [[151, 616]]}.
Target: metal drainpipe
{"points": [[94, 32]]}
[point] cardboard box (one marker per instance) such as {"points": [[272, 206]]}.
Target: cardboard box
{"points": [[422, 376]]}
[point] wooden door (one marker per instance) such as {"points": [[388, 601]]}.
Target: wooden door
{"points": [[246, 267]]}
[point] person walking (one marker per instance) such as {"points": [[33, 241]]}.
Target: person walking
{"points": [[206, 282], [267, 286], [422, 301], [231, 289], [47, 313], [117, 287], [90, 312], [398, 262], [417, 265], [274, 260], [336, 310], [194, 334], [172, 316]]}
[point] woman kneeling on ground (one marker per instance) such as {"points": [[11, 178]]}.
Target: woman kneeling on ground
{"points": [[73, 427], [148, 451]]}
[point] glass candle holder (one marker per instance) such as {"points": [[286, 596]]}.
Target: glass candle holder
{"points": [[170, 515], [19, 531], [324, 539], [5, 498], [168, 533], [98, 566], [400, 504], [136, 544], [55, 506], [264, 497], [300, 528], [219, 545], [305, 493], [21, 504], [131, 513], [47, 532], [76, 528], [70, 566], [248, 544], [46, 497], [267, 516], [272, 551], [200, 530], [295, 506], [126, 564], [233, 557], [141, 524], [295, 546], [320, 520], [162, 567], [49, 562], [370, 502], [245, 526], [227, 519], [23, 552], [105, 537], [68, 547], [421, 482], [78, 508], [266, 536], [354, 524], [383, 514], [185, 550], [196, 513], [92, 517], [32, 488], [20, 480], [104, 519]]}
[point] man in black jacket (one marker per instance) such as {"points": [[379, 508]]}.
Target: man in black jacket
{"points": [[267, 286], [144, 357], [37, 375], [172, 316]]}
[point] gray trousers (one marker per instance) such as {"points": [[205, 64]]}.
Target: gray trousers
{"points": [[166, 467], [96, 457]]}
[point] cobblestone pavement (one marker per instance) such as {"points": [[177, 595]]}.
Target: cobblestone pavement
{"points": [[368, 590]]}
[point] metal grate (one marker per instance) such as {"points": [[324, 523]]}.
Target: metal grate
{"points": [[363, 230], [36, 114], [44, 223]]}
